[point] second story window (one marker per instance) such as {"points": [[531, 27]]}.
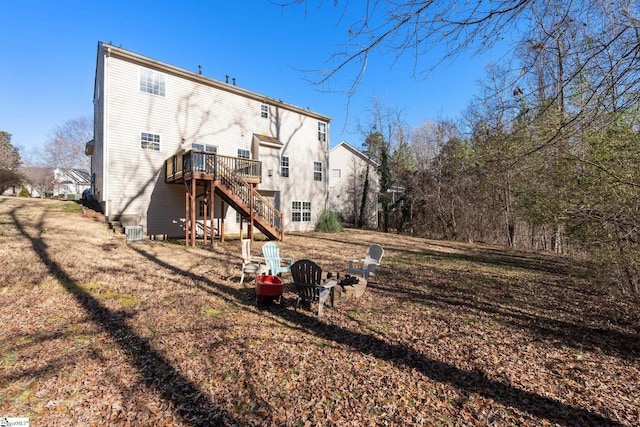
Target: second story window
{"points": [[284, 166], [317, 171], [150, 141], [264, 111], [152, 82], [244, 154], [336, 173], [322, 132]]}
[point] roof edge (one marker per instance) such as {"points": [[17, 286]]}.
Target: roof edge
{"points": [[355, 151], [118, 52]]}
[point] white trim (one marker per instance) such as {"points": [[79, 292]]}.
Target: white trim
{"points": [[106, 196]]}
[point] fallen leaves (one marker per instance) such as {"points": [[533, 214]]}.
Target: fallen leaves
{"points": [[160, 334]]}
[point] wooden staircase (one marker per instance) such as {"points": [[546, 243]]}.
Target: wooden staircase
{"points": [[233, 180]]}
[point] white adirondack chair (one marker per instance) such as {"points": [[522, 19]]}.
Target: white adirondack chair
{"points": [[251, 264], [366, 266]]}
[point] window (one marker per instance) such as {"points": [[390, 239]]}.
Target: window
{"points": [[322, 131], [336, 173], [301, 211], [317, 171], [244, 154], [203, 147], [150, 141], [284, 166], [238, 217], [264, 111], [152, 82], [202, 162], [296, 211], [306, 211]]}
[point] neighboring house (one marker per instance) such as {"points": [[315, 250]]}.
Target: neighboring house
{"points": [[170, 143], [346, 184], [11, 191], [70, 181]]}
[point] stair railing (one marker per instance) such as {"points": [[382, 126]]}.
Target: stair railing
{"points": [[241, 189]]}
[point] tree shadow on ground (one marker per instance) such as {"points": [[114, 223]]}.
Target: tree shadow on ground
{"points": [[191, 404], [453, 251], [576, 335], [582, 328], [474, 381]]}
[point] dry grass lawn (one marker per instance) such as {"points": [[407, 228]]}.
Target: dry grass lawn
{"points": [[96, 332]]}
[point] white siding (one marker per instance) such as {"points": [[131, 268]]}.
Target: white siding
{"points": [[193, 112], [345, 193], [97, 159]]}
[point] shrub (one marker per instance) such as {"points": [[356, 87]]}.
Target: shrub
{"points": [[24, 192], [328, 223]]}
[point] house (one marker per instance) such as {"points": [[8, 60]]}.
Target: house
{"points": [[70, 181], [347, 183], [185, 155]]}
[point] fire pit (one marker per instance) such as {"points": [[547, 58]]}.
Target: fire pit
{"points": [[268, 288]]}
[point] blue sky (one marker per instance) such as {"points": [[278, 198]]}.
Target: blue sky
{"points": [[48, 52]]}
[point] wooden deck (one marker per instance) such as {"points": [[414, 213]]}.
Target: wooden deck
{"points": [[234, 180]]}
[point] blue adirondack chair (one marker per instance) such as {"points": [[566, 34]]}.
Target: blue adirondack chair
{"points": [[276, 264]]}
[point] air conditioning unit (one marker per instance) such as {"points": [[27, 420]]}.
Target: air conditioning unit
{"points": [[133, 233]]}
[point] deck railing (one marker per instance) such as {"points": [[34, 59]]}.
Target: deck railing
{"points": [[241, 189], [204, 162]]}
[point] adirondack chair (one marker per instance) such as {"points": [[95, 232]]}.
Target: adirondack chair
{"points": [[251, 264], [366, 266], [307, 280], [277, 265]]}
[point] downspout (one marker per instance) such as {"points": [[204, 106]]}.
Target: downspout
{"points": [[326, 156], [105, 134]]}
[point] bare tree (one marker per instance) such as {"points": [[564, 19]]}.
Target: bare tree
{"points": [[41, 178], [65, 147], [597, 39]]}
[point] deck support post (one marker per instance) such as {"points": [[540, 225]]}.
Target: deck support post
{"points": [[193, 212], [281, 226], [187, 216], [205, 214], [250, 226], [212, 213], [222, 215]]}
